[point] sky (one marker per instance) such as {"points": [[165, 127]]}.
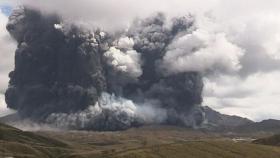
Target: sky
{"points": [[6, 9], [7, 49], [243, 35]]}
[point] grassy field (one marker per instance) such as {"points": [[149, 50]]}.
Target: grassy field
{"points": [[146, 142], [17, 143], [272, 140]]}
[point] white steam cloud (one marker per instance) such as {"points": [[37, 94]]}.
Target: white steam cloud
{"points": [[202, 51], [110, 107], [123, 58]]}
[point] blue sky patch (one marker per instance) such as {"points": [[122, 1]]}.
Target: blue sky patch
{"points": [[6, 9]]}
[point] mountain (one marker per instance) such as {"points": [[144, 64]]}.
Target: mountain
{"points": [[218, 122], [270, 125], [217, 119], [10, 118]]}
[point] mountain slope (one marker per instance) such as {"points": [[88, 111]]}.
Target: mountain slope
{"points": [[272, 126], [17, 143], [151, 141], [217, 119], [273, 140]]}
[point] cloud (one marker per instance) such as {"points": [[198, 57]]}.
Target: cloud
{"points": [[253, 26], [110, 15], [202, 51], [232, 36], [256, 97], [3, 107], [7, 47], [253, 91], [112, 113], [127, 61]]}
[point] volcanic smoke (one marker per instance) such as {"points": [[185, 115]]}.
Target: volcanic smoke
{"points": [[76, 78]]}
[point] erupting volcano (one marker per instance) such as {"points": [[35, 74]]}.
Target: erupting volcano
{"points": [[77, 78]]}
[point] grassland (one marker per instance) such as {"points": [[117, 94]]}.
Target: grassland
{"points": [[146, 142], [272, 140]]}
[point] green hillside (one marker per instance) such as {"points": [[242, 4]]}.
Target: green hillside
{"points": [[145, 142], [17, 143], [203, 149]]}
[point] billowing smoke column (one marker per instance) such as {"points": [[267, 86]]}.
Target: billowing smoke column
{"points": [[74, 78]]}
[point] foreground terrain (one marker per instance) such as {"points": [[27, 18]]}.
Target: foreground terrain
{"points": [[150, 142]]}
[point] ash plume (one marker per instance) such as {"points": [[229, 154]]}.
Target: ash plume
{"points": [[76, 78]]}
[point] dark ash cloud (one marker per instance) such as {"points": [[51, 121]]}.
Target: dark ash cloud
{"points": [[84, 79]]}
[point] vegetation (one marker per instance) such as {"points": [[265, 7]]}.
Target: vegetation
{"points": [[145, 142], [273, 140], [17, 143]]}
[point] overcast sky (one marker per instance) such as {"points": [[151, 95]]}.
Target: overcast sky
{"points": [[251, 27], [7, 48]]}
